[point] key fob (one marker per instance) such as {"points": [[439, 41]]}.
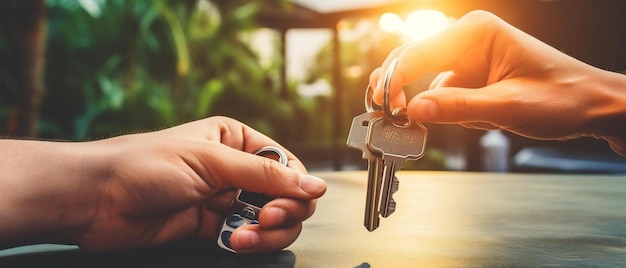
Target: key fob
{"points": [[247, 205]]}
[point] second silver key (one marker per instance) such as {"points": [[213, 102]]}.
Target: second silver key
{"points": [[397, 142]]}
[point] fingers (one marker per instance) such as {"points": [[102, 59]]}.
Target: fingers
{"points": [[439, 79], [465, 43], [280, 223], [231, 133], [285, 212], [452, 79], [244, 138], [226, 161], [460, 105], [262, 175], [397, 98], [222, 156], [254, 239], [259, 174]]}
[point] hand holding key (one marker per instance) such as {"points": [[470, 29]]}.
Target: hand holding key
{"points": [[387, 139], [148, 189], [494, 76]]}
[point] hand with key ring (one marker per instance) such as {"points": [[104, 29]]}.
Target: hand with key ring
{"points": [[148, 189], [494, 76]]}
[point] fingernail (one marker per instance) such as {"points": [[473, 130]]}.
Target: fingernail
{"points": [[425, 110], [311, 184], [247, 239], [277, 216]]}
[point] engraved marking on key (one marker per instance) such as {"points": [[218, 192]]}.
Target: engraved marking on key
{"points": [[357, 140], [397, 142]]}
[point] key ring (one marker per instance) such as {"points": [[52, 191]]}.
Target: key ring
{"points": [[273, 153], [369, 100], [399, 116]]}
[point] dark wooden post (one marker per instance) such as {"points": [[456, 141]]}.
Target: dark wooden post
{"points": [[23, 23], [337, 103]]}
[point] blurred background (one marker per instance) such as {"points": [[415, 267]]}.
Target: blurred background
{"points": [[295, 70]]}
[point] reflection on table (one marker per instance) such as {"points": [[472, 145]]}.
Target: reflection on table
{"points": [[446, 219]]}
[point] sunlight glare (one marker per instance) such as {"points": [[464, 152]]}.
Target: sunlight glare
{"points": [[390, 22], [422, 24], [419, 25]]}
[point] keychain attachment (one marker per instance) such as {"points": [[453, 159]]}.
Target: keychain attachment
{"points": [[398, 115]]}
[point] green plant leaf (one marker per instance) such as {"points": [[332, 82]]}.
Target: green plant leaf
{"points": [[208, 95]]}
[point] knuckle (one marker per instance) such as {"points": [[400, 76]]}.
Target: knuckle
{"points": [[462, 104], [481, 17], [486, 24], [272, 169]]}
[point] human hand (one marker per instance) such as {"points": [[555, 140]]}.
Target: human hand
{"points": [[147, 189], [178, 183], [494, 76]]}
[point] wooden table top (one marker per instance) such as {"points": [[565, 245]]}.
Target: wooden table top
{"points": [[443, 219], [452, 219]]}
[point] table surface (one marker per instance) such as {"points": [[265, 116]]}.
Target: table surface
{"points": [[443, 219]]}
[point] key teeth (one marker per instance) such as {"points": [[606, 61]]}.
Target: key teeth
{"points": [[392, 206], [390, 209], [391, 186], [395, 185]]}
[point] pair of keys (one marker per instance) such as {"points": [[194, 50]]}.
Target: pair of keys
{"points": [[387, 138]]}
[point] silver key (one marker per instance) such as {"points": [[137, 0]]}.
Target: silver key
{"points": [[357, 140], [397, 141]]}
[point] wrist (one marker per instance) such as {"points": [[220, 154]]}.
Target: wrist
{"points": [[49, 192]]}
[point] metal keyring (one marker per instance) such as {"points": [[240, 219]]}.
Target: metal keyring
{"points": [[273, 152], [386, 88], [369, 93], [370, 106], [400, 118]]}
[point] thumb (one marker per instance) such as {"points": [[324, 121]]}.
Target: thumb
{"points": [[263, 175], [456, 105]]}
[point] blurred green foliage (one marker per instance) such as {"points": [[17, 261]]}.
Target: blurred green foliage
{"points": [[118, 66], [125, 66]]}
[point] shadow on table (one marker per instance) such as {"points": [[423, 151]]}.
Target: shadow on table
{"points": [[182, 254]]}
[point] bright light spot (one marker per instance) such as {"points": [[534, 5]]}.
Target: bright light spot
{"points": [[263, 40], [321, 87], [418, 25], [354, 71], [390, 22], [92, 7], [422, 24]]}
